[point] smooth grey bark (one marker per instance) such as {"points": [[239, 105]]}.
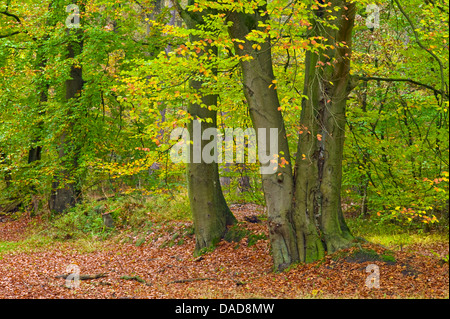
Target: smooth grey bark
{"points": [[65, 192], [208, 206]]}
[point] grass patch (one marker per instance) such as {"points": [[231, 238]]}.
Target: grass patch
{"points": [[6, 246], [393, 235], [362, 255]]}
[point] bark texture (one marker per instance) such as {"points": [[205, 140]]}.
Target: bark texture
{"points": [[319, 175], [263, 103]]}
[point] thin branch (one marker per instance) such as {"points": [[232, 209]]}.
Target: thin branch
{"points": [[182, 281], [136, 278], [374, 78], [84, 277], [10, 34]]}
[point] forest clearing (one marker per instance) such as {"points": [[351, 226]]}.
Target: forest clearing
{"points": [[196, 149]]}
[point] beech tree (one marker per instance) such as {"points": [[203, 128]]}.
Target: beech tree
{"points": [[304, 212], [209, 209]]}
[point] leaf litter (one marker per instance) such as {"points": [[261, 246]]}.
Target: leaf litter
{"points": [[154, 269]]}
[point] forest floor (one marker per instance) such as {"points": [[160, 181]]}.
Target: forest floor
{"points": [[160, 264]]}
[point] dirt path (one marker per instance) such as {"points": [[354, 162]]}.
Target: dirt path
{"points": [[148, 271]]}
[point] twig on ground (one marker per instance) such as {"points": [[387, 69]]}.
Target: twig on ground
{"points": [[136, 278]]}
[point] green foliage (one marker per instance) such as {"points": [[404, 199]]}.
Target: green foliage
{"points": [[98, 119], [244, 185], [396, 155], [128, 213], [80, 222]]}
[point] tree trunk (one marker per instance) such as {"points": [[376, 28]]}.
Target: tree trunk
{"points": [[208, 206], [304, 214], [65, 192], [209, 209], [34, 154], [35, 151], [225, 181], [244, 180]]}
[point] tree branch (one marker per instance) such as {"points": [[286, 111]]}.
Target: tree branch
{"points": [[374, 78], [181, 281], [84, 277]]}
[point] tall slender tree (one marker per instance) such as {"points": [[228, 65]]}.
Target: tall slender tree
{"points": [[65, 190]]}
